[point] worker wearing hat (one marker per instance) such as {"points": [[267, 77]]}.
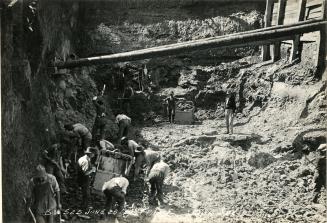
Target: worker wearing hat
{"points": [[85, 172], [44, 195]]}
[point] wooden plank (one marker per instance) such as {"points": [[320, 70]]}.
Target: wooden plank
{"points": [[265, 52], [321, 63], [280, 19], [296, 42]]}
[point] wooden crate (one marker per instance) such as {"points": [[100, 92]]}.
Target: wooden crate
{"points": [[108, 168]]}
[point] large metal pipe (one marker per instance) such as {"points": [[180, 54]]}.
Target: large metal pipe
{"points": [[249, 38]]}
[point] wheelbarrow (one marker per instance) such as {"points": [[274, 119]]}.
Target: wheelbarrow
{"points": [[184, 113]]}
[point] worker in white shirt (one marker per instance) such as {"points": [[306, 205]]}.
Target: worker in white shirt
{"points": [[115, 190], [150, 157], [157, 174], [85, 172]]}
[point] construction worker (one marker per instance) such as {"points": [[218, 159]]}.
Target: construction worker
{"points": [[83, 132], [171, 106], [115, 190], [85, 173], [105, 145], [44, 196], [320, 176], [149, 156], [100, 121], [123, 123], [70, 146], [128, 93], [230, 107], [53, 163], [130, 146], [157, 174]]}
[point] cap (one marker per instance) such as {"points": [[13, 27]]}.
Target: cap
{"points": [[124, 139], [88, 150], [40, 171]]}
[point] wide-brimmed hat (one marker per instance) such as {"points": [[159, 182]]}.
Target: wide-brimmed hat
{"points": [[40, 171]]}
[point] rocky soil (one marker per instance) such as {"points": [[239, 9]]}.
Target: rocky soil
{"points": [[264, 172]]}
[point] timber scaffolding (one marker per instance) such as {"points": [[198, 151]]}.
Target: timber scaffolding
{"points": [[267, 36]]}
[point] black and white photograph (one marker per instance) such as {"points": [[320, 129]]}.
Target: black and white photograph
{"points": [[163, 111]]}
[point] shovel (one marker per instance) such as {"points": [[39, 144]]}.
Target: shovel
{"points": [[30, 211]]}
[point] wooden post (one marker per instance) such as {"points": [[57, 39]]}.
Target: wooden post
{"points": [[321, 63], [280, 21], [265, 54], [296, 40]]}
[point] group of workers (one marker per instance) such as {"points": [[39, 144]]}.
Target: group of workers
{"points": [[81, 149]]}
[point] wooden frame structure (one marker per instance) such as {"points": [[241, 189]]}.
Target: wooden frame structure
{"points": [[264, 36], [281, 12]]}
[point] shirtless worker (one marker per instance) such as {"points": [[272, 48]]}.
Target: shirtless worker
{"points": [[83, 132], [171, 106], [150, 157]]}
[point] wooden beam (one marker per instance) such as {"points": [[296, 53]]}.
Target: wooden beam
{"points": [[265, 51], [321, 63], [296, 42], [280, 20], [250, 38]]}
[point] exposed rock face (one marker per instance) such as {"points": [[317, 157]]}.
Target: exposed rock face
{"points": [[35, 105]]}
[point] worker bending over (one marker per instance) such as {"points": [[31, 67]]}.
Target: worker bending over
{"points": [[115, 191], [83, 132], [157, 174], [123, 123], [53, 163], [148, 156]]}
